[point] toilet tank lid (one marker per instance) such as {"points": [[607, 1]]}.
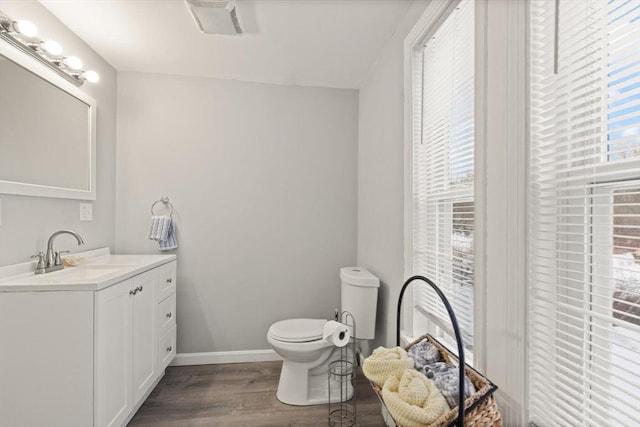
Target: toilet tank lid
{"points": [[358, 276]]}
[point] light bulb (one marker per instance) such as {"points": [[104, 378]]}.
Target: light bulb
{"points": [[52, 47], [91, 76], [73, 62], [26, 28]]}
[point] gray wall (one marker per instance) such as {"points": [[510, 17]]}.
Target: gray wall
{"points": [[27, 222], [263, 180], [381, 175]]}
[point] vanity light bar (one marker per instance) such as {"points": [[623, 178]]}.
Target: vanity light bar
{"points": [[23, 35]]}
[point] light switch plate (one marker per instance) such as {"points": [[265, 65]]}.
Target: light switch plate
{"points": [[86, 211]]}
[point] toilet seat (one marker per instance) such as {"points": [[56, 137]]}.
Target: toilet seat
{"points": [[297, 330], [306, 356]]}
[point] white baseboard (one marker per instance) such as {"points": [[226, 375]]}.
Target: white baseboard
{"points": [[217, 357]]}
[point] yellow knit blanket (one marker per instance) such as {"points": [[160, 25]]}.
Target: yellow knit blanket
{"points": [[412, 399], [385, 362]]}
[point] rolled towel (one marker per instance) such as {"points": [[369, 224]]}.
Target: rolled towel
{"points": [[412, 399], [385, 362], [424, 353], [446, 379], [433, 369]]}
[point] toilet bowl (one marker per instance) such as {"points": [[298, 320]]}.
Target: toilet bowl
{"points": [[306, 355]]}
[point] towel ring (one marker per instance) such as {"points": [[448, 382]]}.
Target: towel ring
{"points": [[165, 201]]}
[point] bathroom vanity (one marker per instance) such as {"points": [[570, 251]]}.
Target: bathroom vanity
{"points": [[86, 345]]}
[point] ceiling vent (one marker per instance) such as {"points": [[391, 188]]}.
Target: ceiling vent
{"points": [[215, 16]]}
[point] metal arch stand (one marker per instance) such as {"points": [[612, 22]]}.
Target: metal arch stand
{"points": [[454, 322]]}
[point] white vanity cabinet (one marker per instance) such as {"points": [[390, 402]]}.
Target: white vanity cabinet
{"points": [[125, 346], [166, 319], [145, 333], [114, 354], [86, 357]]}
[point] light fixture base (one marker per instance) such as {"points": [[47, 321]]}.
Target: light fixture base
{"points": [[30, 47]]}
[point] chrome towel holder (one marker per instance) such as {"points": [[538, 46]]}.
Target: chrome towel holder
{"points": [[165, 201]]}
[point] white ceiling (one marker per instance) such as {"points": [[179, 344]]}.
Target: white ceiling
{"points": [[328, 43]]}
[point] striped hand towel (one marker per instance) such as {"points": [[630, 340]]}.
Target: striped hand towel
{"points": [[170, 242], [162, 230]]}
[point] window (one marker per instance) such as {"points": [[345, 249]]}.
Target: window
{"points": [[442, 181], [584, 213]]}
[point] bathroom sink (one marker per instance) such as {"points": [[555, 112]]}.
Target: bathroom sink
{"points": [[98, 269], [94, 271], [110, 267]]}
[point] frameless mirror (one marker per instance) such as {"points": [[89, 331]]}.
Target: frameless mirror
{"points": [[47, 131]]}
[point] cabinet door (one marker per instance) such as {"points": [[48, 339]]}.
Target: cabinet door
{"points": [[166, 315], [166, 280], [145, 335], [113, 352], [167, 348]]}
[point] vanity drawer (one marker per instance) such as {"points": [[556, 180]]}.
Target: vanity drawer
{"points": [[167, 280], [167, 348], [166, 315]]}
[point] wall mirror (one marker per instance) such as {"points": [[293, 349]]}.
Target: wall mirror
{"points": [[47, 131]]}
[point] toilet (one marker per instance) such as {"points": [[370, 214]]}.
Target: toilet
{"points": [[306, 355]]}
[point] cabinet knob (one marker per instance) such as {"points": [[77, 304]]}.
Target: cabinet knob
{"points": [[133, 291], [170, 280], [169, 349], [140, 288], [169, 314]]}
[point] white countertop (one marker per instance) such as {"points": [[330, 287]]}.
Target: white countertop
{"points": [[100, 270]]}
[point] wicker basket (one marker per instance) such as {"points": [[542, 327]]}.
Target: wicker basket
{"points": [[479, 409]]}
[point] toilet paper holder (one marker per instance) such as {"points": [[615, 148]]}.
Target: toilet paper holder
{"points": [[341, 378]]}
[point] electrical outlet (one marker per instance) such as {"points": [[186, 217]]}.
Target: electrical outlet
{"points": [[86, 211]]}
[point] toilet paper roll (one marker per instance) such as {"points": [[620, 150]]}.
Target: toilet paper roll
{"points": [[336, 333]]}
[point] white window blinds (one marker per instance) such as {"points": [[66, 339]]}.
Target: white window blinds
{"points": [[442, 170], [584, 213]]}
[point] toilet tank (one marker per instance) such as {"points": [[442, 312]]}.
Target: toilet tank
{"points": [[360, 298]]}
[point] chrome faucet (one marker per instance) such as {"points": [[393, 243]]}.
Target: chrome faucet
{"points": [[53, 260]]}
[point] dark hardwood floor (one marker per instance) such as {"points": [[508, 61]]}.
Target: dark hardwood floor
{"points": [[239, 394]]}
